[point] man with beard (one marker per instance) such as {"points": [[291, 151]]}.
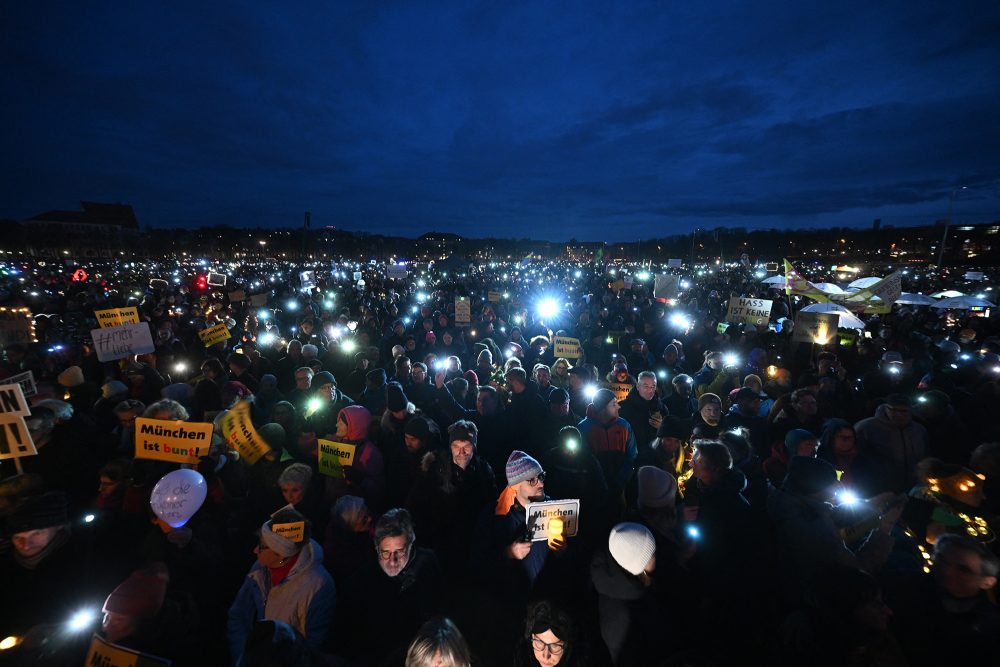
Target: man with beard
{"points": [[393, 595], [643, 410]]}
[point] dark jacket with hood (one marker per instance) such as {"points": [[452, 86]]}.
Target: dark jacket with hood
{"points": [[637, 412]]}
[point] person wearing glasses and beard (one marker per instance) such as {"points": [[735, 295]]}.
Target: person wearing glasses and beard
{"points": [[385, 604]]}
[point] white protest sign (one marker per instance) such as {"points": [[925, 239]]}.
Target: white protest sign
{"points": [[889, 288], [665, 286], [26, 380], [119, 342], [745, 310], [974, 275], [815, 327], [307, 279], [217, 279], [538, 516], [463, 310], [396, 272], [12, 401], [674, 263], [15, 439]]}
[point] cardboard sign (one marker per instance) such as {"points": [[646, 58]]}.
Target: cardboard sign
{"points": [[396, 272], [173, 441], [217, 279], [258, 300], [493, 297], [26, 380], [240, 434], [537, 516], [975, 275], [568, 348], [357, 276], [749, 311], [214, 334], [815, 327], [666, 286], [12, 401], [237, 295], [463, 311], [674, 263], [333, 456], [124, 341], [889, 288], [15, 438], [621, 390], [290, 531], [103, 653], [115, 317], [16, 326], [307, 279]]}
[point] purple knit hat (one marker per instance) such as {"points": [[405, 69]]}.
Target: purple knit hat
{"points": [[520, 466]]}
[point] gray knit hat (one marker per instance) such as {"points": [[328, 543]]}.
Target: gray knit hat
{"points": [[631, 545]]}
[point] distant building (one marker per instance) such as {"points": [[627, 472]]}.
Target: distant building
{"points": [[96, 227], [582, 252]]}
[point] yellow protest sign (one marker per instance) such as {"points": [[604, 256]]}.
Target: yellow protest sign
{"points": [[240, 434], [290, 531], [568, 348], [621, 390], [493, 297], [214, 334], [333, 456], [115, 317], [173, 441], [103, 653]]}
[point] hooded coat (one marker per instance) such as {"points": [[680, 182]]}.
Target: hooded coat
{"points": [[897, 448], [367, 479], [305, 600]]}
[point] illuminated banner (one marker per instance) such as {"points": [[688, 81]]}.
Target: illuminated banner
{"points": [[115, 317], [173, 441]]}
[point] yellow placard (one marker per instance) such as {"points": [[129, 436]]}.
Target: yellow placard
{"points": [[103, 653], [174, 441], [568, 348], [621, 390], [290, 531], [493, 297], [240, 434], [115, 317], [214, 334], [333, 456]]}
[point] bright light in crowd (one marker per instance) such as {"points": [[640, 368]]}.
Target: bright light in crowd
{"points": [[267, 339], [328, 304], [264, 315], [590, 391], [662, 375], [572, 444], [848, 497], [8, 643], [421, 297], [730, 360], [292, 305], [518, 319], [421, 283], [760, 274], [966, 357], [82, 619], [89, 518], [548, 308], [685, 284], [349, 346], [313, 405], [508, 353], [680, 320], [693, 532], [577, 274]]}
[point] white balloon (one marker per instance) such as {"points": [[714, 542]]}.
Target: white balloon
{"points": [[178, 495]]}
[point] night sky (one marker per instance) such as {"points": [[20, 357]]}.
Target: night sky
{"points": [[599, 120]]}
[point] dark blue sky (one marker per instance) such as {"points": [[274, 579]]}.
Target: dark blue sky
{"points": [[599, 120]]}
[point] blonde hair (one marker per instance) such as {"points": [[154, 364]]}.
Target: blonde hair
{"points": [[439, 639]]}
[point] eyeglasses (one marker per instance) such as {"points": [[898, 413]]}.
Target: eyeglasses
{"points": [[398, 554], [535, 481], [555, 648]]}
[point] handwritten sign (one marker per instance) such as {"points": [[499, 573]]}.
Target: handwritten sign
{"points": [[15, 326], [333, 456], [295, 531], [889, 288], [493, 297], [103, 653], [26, 380], [538, 515], [621, 390], [122, 341], [173, 441], [214, 334], [217, 279], [749, 311], [666, 286], [815, 327], [115, 317], [240, 434], [463, 310], [568, 348]]}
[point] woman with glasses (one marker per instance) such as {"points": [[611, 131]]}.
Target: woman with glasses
{"points": [[549, 638], [287, 583]]}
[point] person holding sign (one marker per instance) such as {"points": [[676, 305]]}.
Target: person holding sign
{"points": [[365, 476], [287, 583]]}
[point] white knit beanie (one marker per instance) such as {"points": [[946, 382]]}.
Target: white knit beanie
{"points": [[631, 545]]}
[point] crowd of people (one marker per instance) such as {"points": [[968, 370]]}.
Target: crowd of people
{"points": [[742, 495]]}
